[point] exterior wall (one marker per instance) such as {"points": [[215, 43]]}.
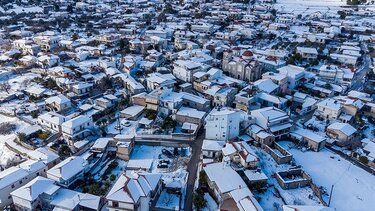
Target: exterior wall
{"points": [[5, 196], [316, 146], [182, 118], [286, 157], [330, 113], [222, 127], [293, 184]]}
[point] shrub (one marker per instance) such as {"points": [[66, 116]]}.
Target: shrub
{"points": [[7, 128], [43, 135], [150, 114], [363, 159], [199, 201], [34, 114]]}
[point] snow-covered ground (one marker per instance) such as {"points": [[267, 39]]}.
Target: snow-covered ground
{"points": [[18, 9], [306, 7], [368, 131], [211, 204], [5, 154], [270, 200], [354, 188]]}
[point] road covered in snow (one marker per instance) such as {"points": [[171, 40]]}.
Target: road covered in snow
{"points": [[354, 188]]}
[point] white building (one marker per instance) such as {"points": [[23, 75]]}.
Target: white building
{"points": [[184, 69], [294, 74], [134, 191], [78, 127], [43, 194], [52, 121], [58, 103], [329, 108], [273, 120], [229, 188], [222, 124], [14, 177], [307, 53], [68, 171]]}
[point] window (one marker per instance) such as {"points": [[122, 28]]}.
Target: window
{"points": [[20, 181], [13, 186], [114, 204]]}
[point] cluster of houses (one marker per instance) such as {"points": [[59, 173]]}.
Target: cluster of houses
{"points": [[104, 76]]}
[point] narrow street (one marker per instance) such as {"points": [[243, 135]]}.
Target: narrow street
{"points": [[192, 168], [358, 79]]}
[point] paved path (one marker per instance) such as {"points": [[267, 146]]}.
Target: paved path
{"points": [[192, 168]]}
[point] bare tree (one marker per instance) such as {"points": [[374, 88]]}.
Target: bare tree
{"points": [[5, 87]]}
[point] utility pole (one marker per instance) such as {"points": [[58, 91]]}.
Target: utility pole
{"points": [[330, 196]]}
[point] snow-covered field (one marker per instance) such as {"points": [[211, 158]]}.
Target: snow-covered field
{"points": [[306, 7], [5, 153], [19, 9], [354, 188], [270, 200]]}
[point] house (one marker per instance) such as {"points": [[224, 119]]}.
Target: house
{"points": [[52, 121], [312, 140], [43, 193], [218, 175], [329, 108], [266, 85], [58, 103], [273, 120], [241, 155], [134, 86], [344, 133], [49, 158], [47, 43], [184, 69], [36, 91], [14, 177], [124, 144], [190, 115], [157, 80], [31, 195], [307, 53], [222, 96], [260, 135], [132, 112], [294, 74], [101, 145], [47, 61], [333, 73], [27, 47], [107, 101], [78, 127], [68, 171], [344, 59], [82, 89], [134, 191], [279, 79], [196, 102], [222, 124], [267, 100], [212, 148]]}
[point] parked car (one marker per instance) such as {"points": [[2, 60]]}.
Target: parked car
{"points": [[162, 165], [167, 153]]}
